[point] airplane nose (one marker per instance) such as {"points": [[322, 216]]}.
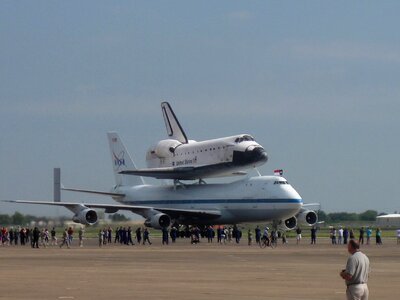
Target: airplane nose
{"points": [[251, 155]]}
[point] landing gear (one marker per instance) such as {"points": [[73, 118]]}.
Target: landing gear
{"points": [[178, 183]]}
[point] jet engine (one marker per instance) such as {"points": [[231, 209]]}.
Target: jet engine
{"points": [[85, 216], [158, 221], [288, 224], [308, 217]]}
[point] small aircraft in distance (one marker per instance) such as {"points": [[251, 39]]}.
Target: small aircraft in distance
{"points": [[181, 159], [252, 199]]}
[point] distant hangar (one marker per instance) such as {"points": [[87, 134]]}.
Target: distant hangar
{"points": [[390, 220]]}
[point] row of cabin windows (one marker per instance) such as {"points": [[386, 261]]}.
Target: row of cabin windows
{"points": [[200, 151]]}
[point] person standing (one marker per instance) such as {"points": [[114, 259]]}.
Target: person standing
{"points": [[249, 237], [340, 235], [29, 235], [313, 235], [361, 237], [333, 236], [238, 235], [173, 233], [219, 234], [378, 236], [116, 235], [109, 235], [165, 239], [139, 235], [43, 238], [53, 237], [210, 233], [369, 233], [351, 234], [298, 235], [80, 235], [129, 232], [345, 235], [70, 235], [101, 237], [146, 236], [258, 235], [356, 273], [16, 235], [65, 239], [35, 240], [22, 238]]}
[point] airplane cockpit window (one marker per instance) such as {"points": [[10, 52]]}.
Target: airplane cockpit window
{"points": [[281, 182]]}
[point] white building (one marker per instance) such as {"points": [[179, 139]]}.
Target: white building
{"points": [[391, 220]]}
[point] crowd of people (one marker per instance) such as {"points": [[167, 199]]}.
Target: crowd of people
{"points": [[44, 237], [343, 234], [28, 236]]}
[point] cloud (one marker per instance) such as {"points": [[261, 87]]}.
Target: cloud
{"points": [[83, 105], [240, 15], [345, 50]]}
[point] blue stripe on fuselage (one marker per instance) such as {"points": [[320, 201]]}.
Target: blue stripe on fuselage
{"points": [[215, 201]]}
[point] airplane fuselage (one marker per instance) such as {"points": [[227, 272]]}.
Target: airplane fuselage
{"points": [[255, 199]]}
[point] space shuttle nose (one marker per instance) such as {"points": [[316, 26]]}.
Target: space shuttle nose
{"points": [[252, 155], [260, 154]]}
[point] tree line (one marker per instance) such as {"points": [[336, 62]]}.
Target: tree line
{"points": [[18, 219], [368, 215]]}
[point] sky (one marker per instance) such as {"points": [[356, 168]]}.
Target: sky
{"points": [[315, 82]]}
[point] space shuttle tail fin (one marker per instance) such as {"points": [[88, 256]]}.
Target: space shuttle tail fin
{"points": [[122, 161], [174, 129]]}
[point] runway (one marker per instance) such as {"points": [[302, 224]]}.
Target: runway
{"points": [[185, 271]]}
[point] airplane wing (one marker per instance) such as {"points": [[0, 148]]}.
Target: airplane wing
{"points": [[312, 205], [140, 210], [183, 173], [94, 192]]}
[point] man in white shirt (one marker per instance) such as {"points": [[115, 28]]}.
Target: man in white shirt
{"points": [[340, 233], [356, 273]]}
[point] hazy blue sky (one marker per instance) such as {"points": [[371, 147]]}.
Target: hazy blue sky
{"points": [[317, 83]]}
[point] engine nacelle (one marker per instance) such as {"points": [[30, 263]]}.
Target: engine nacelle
{"points": [[158, 221], [166, 148], [308, 217], [85, 216], [288, 224]]}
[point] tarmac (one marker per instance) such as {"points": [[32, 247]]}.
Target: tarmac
{"points": [[183, 271]]}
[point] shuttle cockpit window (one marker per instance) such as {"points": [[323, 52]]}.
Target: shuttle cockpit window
{"points": [[244, 138]]}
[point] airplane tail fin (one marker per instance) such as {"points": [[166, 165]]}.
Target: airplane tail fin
{"points": [[122, 161], [174, 129]]}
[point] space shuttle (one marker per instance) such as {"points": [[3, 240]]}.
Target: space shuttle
{"points": [[179, 158]]}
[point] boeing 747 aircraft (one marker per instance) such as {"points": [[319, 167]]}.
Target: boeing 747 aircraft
{"points": [[182, 159], [254, 199]]}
